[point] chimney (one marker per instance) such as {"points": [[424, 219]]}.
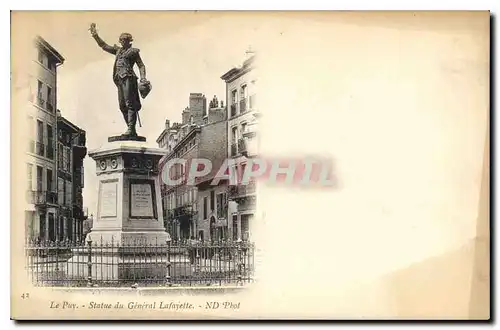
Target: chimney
{"points": [[197, 107], [167, 124], [186, 114]]}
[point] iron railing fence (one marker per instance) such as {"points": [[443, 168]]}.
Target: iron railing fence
{"points": [[140, 263]]}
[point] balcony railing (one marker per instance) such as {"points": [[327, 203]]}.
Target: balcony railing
{"points": [[233, 109], [242, 190], [40, 149], [243, 105], [50, 107], [242, 146], [65, 211], [182, 211], [234, 149], [44, 197]]}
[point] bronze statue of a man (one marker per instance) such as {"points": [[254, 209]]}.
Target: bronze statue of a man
{"points": [[125, 78]]}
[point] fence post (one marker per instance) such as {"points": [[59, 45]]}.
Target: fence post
{"points": [[89, 264], [56, 268], [240, 276], [167, 278]]}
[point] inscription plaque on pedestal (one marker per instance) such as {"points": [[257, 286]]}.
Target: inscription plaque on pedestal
{"points": [[108, 199], [142, 200]]}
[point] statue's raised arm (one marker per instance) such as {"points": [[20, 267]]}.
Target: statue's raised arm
{"points": [[110, 49]]}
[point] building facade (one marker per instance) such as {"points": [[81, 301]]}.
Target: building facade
{"points": [[181, 199], [202, 134], [179, 202], [242, 133], [169, 137], [40, 133], [212, 199], [70, 179]]}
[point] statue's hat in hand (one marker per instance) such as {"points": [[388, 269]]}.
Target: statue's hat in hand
{"points": [[144, 88]]}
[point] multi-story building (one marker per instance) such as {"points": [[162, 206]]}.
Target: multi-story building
{"points": [[212, 199], [242, 134], [41, 207], [70, 177], [179, 202], [199, 135], [169, 137]]}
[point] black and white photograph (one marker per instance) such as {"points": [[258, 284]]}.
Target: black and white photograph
{"points": [[198, 165]]}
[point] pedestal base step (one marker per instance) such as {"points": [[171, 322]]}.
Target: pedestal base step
{"points": [[124, 137]]}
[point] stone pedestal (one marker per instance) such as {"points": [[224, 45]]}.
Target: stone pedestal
{"points": [[128, 234], [129, 208]]}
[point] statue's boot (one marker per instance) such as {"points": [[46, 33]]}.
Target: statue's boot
{"points": [[132, 119], [125, 116]]}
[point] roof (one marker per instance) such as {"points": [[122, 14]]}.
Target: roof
{"points": [[40, 41], [69, 124], [237, 72]]}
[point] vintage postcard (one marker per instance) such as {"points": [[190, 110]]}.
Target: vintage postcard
{"points": [[250, 165]]}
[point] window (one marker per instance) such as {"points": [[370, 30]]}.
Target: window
{"points": [[245, 230], [233, 97], [205, 205], [40, 56], [64, 159], [40, 89], [234, 134], [49, 180], [212, 200], [49, 95], [39, 178], [68, 159], [60, 152], [50, 142], [242, 168], [50, 133], [29, 175], [39, 124], [68, 193], [40, 147], [220, 204], [243, 127], [243, 92], [52, 65]]}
